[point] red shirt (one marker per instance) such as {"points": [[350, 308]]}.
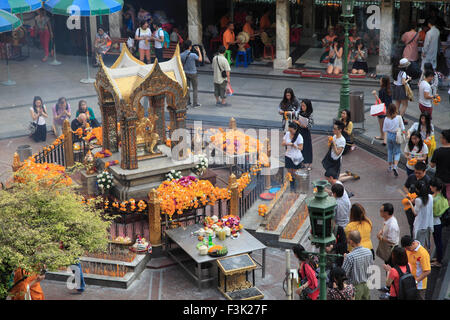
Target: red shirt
{"points": [[312, 279], [393, 275]]}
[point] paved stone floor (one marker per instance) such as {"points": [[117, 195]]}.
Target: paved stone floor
{"points": [[375, 187]]}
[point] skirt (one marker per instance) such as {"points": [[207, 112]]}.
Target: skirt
{"points": [[332, 167], [399, 93], [307, 151], [289, 164], [41, 133], [360, 65]]}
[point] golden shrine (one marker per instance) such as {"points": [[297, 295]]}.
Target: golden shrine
{"points": [[122, 90]]}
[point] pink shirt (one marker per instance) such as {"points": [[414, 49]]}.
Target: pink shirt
{"points": [[410, 52]]}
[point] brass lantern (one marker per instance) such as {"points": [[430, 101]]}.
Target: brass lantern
{"points": [[321, 213]]}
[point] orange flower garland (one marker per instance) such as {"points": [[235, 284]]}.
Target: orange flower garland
{"points": [[262, 210], [49, 172], [176, 197]]}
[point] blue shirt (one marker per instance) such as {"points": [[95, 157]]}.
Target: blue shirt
{"points": [[188, 60]]}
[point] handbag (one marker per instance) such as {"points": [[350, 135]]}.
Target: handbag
{"points": [[399, 135], [378, 109], [32, 127], [384, 250], [409, 92], [222, 72]]}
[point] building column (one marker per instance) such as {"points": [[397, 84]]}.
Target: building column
{"points": [[282, 60], [194, 8], [386, 38], [115, 24], [308, 29], [403, 24]]}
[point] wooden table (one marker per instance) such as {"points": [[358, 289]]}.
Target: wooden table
{"points": [[184, 238]]}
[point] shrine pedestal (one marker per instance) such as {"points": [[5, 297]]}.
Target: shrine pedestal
{"points": [[151, 173], [89, 183]]}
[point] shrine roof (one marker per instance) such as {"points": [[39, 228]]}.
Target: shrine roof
{"points": [[128, 73]]}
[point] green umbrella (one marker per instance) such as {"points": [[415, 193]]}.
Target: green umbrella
{"points": [[8, 22], [20, 6], [84, 8]]}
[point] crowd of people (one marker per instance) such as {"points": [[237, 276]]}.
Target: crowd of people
{"points": [[61, 111]]}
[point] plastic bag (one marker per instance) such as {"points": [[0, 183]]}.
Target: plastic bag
{"points": [[229, 90]]}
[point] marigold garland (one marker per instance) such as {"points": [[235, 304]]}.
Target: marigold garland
{"points": [[49, 172]]}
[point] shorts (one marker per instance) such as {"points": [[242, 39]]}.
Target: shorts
{"points": [[426, 109], [219, 89]]}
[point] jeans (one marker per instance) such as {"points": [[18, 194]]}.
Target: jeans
{"points": [[393, 147], [192, 79], [437, 237], [159, 54]]}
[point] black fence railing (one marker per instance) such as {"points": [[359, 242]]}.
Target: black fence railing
{"points": [[52, 154]]}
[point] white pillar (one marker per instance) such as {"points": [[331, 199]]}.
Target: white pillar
{"points": [[386, 38], [194, 8], [93, 29], [308, 31], [115, 24], [282, 60]]}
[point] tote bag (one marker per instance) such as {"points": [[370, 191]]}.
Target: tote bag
{"points": [[384, 250], [378, 109], [400, 136]]}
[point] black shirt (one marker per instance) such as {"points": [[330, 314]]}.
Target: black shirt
{"points": [[412, 180], [384, 97], [441, 157]]}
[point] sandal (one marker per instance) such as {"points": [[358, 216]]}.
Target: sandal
{"points": [[379, 138]]}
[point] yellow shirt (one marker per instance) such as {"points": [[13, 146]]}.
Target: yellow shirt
{"points": [[364, 229], [419, 260]]}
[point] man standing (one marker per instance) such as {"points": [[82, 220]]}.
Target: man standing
{"points": [[441, 161], [356, 264], [222, 70], [426, 93], [343, 205], [431, 44], [188, 58], [389, 236], [229, 40], [419, 260]]}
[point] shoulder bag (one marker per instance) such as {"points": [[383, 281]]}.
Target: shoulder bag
{"points": [[384, 250], [222, 72], [400, 136]]}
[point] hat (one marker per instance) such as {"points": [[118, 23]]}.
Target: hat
{"points": [[404, 63]]}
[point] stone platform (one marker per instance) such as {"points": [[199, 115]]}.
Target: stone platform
{"points": [[150, 173], [135, 268]]}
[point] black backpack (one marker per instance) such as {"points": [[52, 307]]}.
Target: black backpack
{"points": [[407, 285], [445, 218]]}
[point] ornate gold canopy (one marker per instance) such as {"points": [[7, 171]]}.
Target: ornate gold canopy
{"points": [[120, 89]]}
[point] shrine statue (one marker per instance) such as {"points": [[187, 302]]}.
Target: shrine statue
{"points": [[144, 131]]}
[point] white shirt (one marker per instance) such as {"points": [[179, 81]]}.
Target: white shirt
{"points": [[345, 195], [144, 33], [391, 125], [343, 206], [291, 152], [424, 86], [159, 34], [41, 120], [340, 143], [391, 231], [220, 63], [430, 45], [401, 75], [424, 218], [423, 130], [415, 153]]}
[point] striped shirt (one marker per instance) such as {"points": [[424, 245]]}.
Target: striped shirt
{"points": [[356, 264]]}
